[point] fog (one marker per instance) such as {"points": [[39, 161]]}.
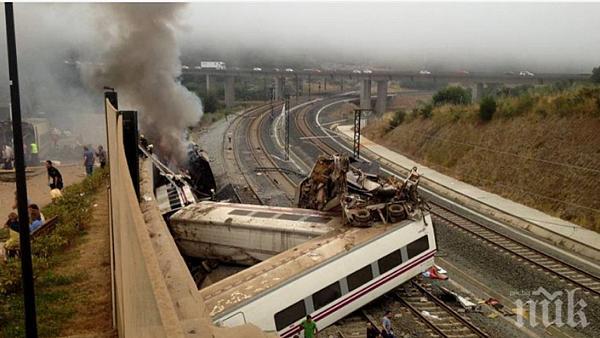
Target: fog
{"points": [[539, 37], [551, 37]]}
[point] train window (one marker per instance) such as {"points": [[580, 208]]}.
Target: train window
{"points": [[417, 247], [262, 214], [240, 212], [389, 262], [290, 217], [359, 278], [289, 315], [327, 295]]}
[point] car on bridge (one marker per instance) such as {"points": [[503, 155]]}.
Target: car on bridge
{"points": [[257, 69], [185, 67], [276, 69], [367, 71], [356, 71], [289, 70], [424, 72], [526, 73]]}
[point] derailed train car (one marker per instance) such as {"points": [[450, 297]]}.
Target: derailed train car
{"points": [[327, 277]]}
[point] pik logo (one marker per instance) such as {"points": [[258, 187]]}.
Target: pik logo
{"points": [[533, 309]]}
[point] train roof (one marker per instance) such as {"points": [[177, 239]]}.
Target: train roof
{"points": [[256, 216], [293, 263]]}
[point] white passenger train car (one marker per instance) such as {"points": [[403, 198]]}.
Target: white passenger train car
{"points": [[327, 277], [245, 233]]}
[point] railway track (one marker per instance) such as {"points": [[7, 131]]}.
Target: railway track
{"points": [[242, 187], [442, 320], [589, 283], [265, 160]]}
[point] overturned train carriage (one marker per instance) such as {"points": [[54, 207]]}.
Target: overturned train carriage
{"points": [[327, 277]]}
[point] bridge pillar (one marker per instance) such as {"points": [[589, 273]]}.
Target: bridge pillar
{"points": [[477, 92], [207, 83], [365, 94], [229, 91], [279, 88], [381, 103]]}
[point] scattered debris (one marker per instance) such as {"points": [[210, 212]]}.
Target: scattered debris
{"points": [[434, 273], [364, 197], [429, 315], [464, 302], [499, 307]]}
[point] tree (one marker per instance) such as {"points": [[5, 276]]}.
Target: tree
{"points": [[452, 95], [487, 108], [397, 119], [596, 75], [210, 103]]}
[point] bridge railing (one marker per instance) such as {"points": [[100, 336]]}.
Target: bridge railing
{"points": [[141, 299], [153, 293]]}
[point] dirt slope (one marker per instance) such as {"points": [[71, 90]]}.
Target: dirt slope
{"points": [[549, 162]]}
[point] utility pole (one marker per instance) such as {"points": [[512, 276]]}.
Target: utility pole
{"points": [[26, 265], [287, 127], [357, 120]]}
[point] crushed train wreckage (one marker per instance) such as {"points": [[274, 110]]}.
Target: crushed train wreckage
{"points": [[356, 188]]}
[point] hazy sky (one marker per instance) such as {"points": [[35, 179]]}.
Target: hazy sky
{"points": [[537, 36], [552, 37]]}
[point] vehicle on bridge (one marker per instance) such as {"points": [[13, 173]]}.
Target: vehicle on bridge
{"points": [[257, 69], [289, 70], [367, 71], [526, 73], [424, 72], [356, 71], [218, 65]]}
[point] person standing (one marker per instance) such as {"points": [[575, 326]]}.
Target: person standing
{"points": [[372, 331], [35, 160], [88, 160], [387, 331], [309, 326], [8, 155], [101, 155], [55, 180]]}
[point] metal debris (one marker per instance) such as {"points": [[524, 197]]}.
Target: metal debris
{"points": [[357, 189]]}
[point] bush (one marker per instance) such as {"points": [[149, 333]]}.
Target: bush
{"points": [[595, 75], [397, 120], [425, 111], [73, 209], [452, 95], [487, 108], [210, 103]]}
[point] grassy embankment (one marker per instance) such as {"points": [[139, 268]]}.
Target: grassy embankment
{"points": [[58, 279], [540, 148]]}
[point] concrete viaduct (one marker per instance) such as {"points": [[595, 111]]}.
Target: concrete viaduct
{"points": [[477, 81]]}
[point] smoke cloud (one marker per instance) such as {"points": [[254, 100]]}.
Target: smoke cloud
{"points": [[141, 61]]}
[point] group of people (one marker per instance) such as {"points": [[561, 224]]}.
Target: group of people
{"points": [[36, 220], [386, 327], [55, 183], [7, 155], [310, 327], [89, 158]]}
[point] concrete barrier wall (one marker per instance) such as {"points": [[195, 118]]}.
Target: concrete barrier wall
{"points": [[154, 294], [143, 306]]}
